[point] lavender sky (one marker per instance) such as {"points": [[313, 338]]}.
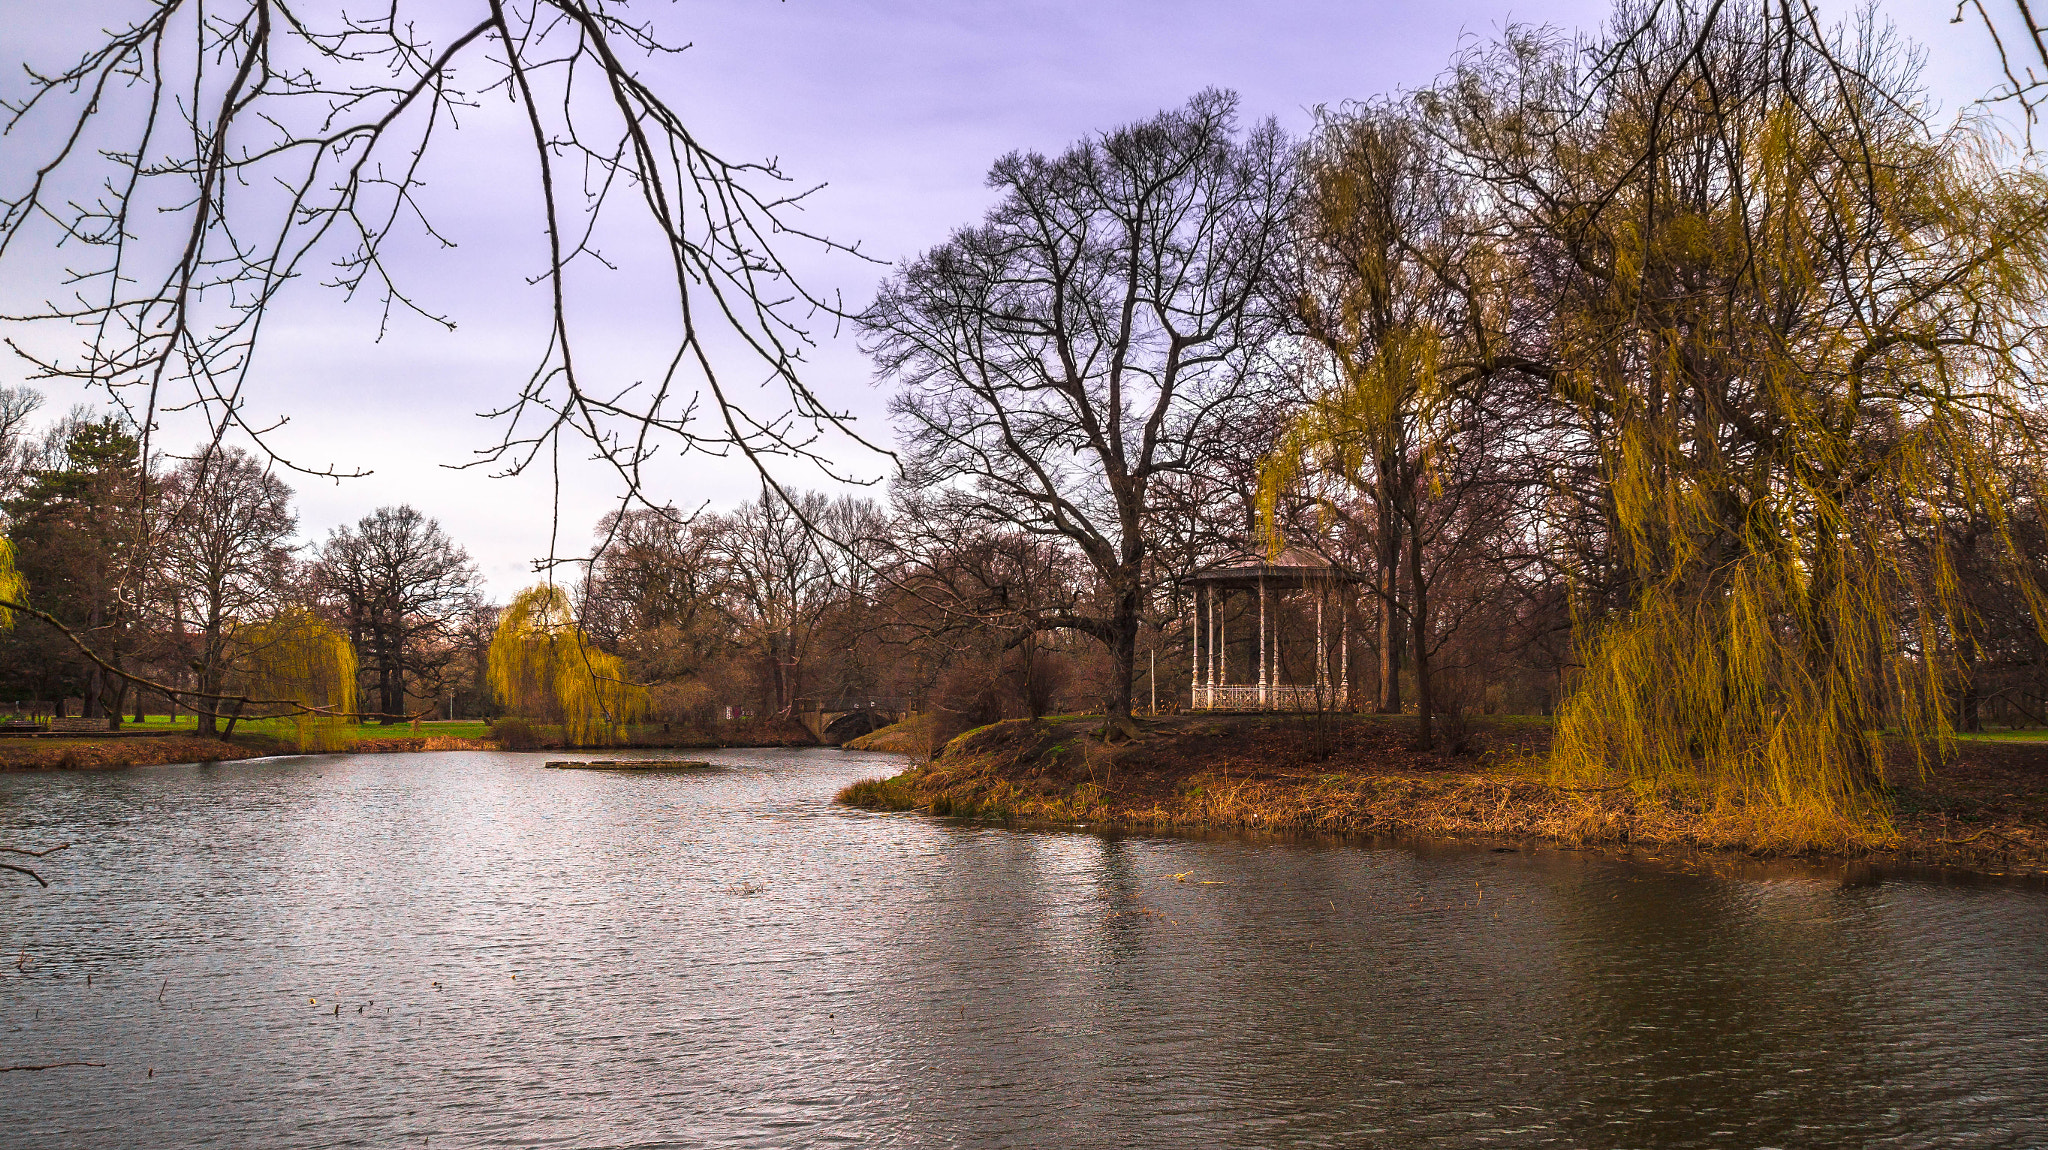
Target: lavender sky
{"points": [[897, 107]]}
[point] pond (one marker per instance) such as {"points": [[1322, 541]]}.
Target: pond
{"points": [[467, 949]]}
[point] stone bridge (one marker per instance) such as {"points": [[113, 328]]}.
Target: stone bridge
{"points": [[835, 721]]}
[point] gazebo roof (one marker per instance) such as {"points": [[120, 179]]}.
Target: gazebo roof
{"points": [[1294, 566]]}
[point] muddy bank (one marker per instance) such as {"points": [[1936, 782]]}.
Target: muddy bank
{"points": [[1358, 775], [152, 751]]}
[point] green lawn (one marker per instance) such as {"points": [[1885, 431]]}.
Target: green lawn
{"points": [[2028, 735], [284, 729]]}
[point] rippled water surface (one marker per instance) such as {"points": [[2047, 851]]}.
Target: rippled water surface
{"points": [[523, 956]]}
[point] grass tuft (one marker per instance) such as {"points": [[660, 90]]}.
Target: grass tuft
{"points": [[890, 794]]}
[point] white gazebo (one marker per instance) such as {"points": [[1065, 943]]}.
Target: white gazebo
{"points": [[1293, 570]]}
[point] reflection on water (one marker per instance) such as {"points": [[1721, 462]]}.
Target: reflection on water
{"points": [[525, 956]]}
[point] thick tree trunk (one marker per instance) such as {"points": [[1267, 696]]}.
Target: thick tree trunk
{"points": [[209, 679], [390, 673], [391, 693], [117, 699], [1123, 650]]}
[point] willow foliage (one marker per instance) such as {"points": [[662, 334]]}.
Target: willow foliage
{"points": [[298, 657], [544, 668], [1780, 308], [12, 584], [1371, 260]]}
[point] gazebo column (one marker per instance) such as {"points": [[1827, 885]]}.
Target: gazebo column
{"points": [[1195, 650], [1219, 670], [1344, 656], [1262, 641], [1322, 652], [1209, 647]]}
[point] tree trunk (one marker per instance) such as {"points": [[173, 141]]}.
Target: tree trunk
{"points": [[390, 682], [93, 706], [116, 699], [1389, 702], [1418, 618], [210, 672], [209, 679], [1968, 707], [1123, 649]]}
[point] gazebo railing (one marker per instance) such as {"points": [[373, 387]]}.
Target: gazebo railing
{"points": [[1252, 697]]}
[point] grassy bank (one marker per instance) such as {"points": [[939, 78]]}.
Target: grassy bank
{"points": [[1988, 809], [129, 751]]}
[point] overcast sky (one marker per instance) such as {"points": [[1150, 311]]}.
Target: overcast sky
{"points": [[897, 107]]}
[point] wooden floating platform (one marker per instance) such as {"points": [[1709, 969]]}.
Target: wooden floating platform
{"points": [[629, 764]]}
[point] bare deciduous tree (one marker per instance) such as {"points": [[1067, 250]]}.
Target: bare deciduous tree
{"points": [[402, 589], [227, 522], [17, 404], [1058, 360]]}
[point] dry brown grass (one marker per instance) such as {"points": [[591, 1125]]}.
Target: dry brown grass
{"points": [[1205, 772], [912, 736], [424, 743]]}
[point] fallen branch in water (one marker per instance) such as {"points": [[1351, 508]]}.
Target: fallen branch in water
{"points": [[33, 855]]}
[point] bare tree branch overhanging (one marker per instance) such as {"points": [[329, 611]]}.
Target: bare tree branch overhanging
{"points": [[2021, 41], [194, 164]]}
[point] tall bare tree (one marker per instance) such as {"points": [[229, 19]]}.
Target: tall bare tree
{"points": [[228, 519], [778, 584], [401, 588], [1056, 361], [655, 592]]}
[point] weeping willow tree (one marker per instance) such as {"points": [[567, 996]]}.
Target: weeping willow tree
{"points": [[543, 667], [1779, 306], [302, 669]]}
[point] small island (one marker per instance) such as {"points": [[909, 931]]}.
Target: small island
{"points": [[629, 765], [1985, 808]]}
